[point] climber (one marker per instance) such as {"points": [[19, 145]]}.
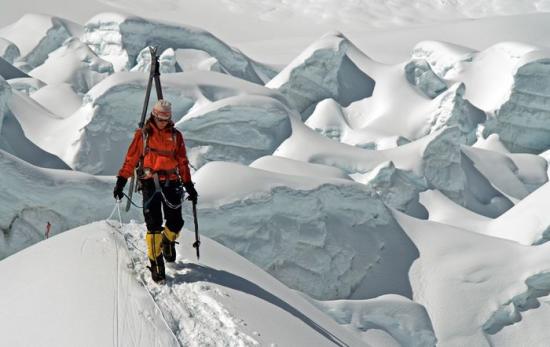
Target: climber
{"points": [[164, 170]]}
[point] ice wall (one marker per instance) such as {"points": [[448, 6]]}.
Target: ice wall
{"points": [[119, 39]]}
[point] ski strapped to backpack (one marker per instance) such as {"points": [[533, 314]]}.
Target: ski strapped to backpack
{"points": [[154, 75]]}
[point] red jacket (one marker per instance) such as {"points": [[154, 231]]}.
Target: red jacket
{"points": [[162, 154]]}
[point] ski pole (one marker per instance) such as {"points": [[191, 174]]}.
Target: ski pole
{"points": [[197, 242]]}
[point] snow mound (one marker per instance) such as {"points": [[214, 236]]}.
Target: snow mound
{"points": [[238, 129], [324, 70], [57, 197], [73, 63], [526, 223], [330, 238], [450, 108], [37, 35], [420, 74], [8, 51], [404, 320], [488, 283], [119, 39], [330, 120]]}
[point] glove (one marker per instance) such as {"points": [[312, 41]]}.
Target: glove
{"points": [[191, 192], [119, 186]]}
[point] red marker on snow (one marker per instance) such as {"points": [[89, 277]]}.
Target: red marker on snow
{"points": [[48, 227]]}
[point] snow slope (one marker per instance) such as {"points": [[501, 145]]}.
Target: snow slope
{"points": [[223, 300]]}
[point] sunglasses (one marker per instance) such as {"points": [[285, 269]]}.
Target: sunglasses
{"points": [[162, 120]]}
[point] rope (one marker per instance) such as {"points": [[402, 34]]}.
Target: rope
{"points": [[143, 282], [146, 203]]}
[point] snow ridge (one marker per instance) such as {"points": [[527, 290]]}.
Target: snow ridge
{"points": [[195, 317]]}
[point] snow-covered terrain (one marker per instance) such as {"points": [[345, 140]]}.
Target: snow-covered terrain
{"points": [[359, 184]]}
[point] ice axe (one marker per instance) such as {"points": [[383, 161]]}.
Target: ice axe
{"points": [[197, 242]]}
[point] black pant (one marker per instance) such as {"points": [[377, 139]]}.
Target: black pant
{"points": [[173, 192]]}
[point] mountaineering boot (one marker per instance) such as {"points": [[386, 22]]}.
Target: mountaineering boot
{"points": [[169, 245], [154, 241], [157, 270]]}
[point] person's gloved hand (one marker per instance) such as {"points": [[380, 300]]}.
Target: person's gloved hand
{"points": [[191, 192], [119, 187]]}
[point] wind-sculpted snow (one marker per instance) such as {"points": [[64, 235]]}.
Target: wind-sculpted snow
{"points": [[489, 284], [420, 74], [523, 121], [58, 196], [237, 129], [405, 320], [37, 35], [73, 63], [330, 238], [323, 71], [8, 50], [119, 39], [113, 108], [330, 120]]}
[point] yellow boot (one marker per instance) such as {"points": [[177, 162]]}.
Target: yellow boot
{"points": [[154, 249], [169, 245]]}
